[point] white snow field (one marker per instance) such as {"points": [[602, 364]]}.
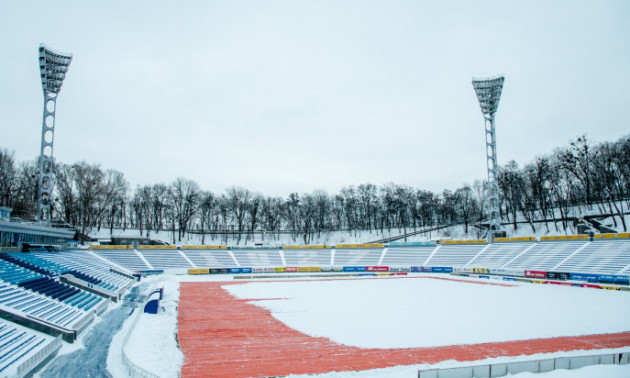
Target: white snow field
{"points": [[418, 311], [424, 311]]}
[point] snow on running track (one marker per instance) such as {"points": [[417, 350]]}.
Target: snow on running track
{"points": [[325, 326]]}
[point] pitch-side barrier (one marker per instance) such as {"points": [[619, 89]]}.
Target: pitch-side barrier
{"points": [[596, 281], [532, 366]]}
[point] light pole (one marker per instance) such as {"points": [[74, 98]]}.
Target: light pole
{"points": [[53, 67], [489, 93]]}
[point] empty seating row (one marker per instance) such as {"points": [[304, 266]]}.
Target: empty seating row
{"points": [[165, 258], [407, 255], [219, 258], [307, 257], [88, 264], [258, 257], [454, 255], [357, 256], [34, 304], [127, 258], [599, 257], [17, 344], [499, 254], [15, 274], [544, 255]]}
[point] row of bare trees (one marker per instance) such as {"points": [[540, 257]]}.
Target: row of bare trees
{"points": [[543, 193]]}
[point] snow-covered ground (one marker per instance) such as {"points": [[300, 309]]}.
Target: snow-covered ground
{"points": [[395, 313], [422, 311]]}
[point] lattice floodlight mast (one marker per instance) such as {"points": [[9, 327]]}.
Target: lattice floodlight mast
{"points": [[489, 93], [53, 67]]}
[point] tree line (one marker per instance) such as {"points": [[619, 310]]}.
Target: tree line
{"points": [[581, 175]]}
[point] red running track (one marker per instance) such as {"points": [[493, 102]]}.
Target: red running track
{"points": [[222, 336]]}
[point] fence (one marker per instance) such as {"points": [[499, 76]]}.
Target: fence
{"points": [[533, 366]]}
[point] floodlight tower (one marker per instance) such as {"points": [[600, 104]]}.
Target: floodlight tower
{"points": [[53, 67], [489, 93]]}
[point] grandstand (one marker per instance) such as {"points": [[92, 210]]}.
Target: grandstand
{"points": [[60, 293], [307, 256]]}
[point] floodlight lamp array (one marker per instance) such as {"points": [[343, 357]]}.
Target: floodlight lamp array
{"points": [[53, 67], [489, 93]]}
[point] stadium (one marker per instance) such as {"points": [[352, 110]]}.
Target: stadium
{"points": [[377, 281], [401, 309]]}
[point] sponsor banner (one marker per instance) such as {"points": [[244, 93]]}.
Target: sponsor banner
{"points": [[538, 281], [279, 269], [499, 272], [508, 279], [486, 277], [399, 269], [291, 269], [354, 269], [269, 270], [258, 270], [309, 269], [625, 280], [558, 276], [606, 287], [589, 285], [246, 270], [236, 270], [423, 269], [611, 278], [535, 274], [442, 269], [560, 283], [377, 268], [198, 271], [584, 277], [367, 274], [215, 271], [399, 274], [480, 270], [327, 269], [337, 268]]}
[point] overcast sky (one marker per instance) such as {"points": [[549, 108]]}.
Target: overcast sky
{"points": [[293, 96]]}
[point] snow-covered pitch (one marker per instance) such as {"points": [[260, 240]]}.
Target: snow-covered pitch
{"points": [[418, 311]]}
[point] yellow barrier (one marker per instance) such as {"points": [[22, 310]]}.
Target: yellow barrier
{"points": [[346, 246], [292, 246], [472, 241], [374, 245], [156, 247], [549, 238], [118, 246], [623, 235], [279, 269], [523, 238], [577, 237], [211, 247], [538, 281], [606, 236], [325, 246]]}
